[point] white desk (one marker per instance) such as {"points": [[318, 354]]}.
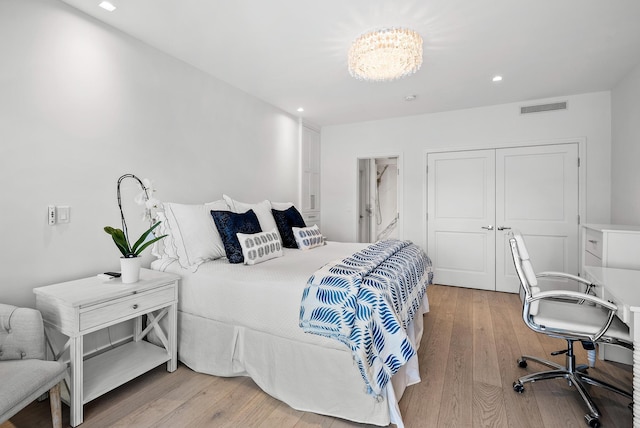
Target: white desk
{"points": [[622, 287]]}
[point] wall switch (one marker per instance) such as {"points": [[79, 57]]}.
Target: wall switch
{"points": [[51, 215], [63, 214]]}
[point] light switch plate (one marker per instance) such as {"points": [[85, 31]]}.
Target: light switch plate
{"points": [[63, 214]]}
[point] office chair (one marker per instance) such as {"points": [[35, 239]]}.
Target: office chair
{"points": [[556, 314], [588, 289]]}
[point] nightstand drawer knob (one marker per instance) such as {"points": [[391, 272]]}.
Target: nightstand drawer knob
{"points": [[135, 306]]}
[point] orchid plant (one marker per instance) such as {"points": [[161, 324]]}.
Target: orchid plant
{"points": [[121, 236]]}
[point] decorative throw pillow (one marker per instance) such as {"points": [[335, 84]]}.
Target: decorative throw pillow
{"points": [[261, 209], [308, 237], [229, 225], [193, 237], [260, 247], [285, 220]]}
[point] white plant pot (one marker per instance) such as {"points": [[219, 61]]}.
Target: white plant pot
{"points": [[130, 269]]}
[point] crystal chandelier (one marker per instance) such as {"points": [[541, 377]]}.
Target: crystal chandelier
{"points": [[386, 54]]}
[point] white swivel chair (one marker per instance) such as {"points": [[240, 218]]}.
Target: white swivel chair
{"points": [[556, 314], [588, 289]]}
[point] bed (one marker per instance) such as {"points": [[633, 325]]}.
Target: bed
{"points": [[236, 319]]}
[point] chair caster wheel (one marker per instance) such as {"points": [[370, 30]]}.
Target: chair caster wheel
{"points": [[522, 363], [582, 368], [518, 387], [592, 421]]}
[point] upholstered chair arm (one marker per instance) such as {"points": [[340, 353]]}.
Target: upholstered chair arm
{"points": [[21, 333], [550, 274], [564, 275], [574, 295]]}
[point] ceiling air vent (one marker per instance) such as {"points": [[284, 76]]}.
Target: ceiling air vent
{"points": [[543, 107]]}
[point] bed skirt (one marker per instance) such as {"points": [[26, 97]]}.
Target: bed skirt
{"points": [[305, 376]]}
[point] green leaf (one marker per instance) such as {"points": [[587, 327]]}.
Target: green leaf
{"points": [[154, 240], [119, 239], [143, 237], [140, 244]]}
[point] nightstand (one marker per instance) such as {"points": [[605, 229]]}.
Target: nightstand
{"points": [[76, 308]]}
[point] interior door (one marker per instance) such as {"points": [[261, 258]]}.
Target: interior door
{"points": [[365, 209], [461, 201], [476, 197], [537, 193]]}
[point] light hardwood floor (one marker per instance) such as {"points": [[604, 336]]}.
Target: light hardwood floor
{"points": [[467, 356]]}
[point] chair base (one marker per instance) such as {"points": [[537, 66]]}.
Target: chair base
{"points": [[574, 376]]}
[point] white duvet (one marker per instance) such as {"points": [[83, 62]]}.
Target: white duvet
{"points": [[264, 297]]}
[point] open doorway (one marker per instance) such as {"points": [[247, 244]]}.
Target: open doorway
{"points": [[378, 213]]}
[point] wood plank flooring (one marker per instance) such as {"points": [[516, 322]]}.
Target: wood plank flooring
{"points": [[468, 355]]}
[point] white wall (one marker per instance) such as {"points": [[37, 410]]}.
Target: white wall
{"points": [[587, 116], [81, 104], [625, 150]]}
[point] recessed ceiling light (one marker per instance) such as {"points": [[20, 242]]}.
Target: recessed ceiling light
{"points": [[107, 6], [300, 109], [411, 97], [497, 78]]}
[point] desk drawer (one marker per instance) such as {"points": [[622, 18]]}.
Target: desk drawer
{"points": [[126, 307], [594, 242], [591, 260]]}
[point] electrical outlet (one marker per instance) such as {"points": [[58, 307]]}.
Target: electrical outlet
{"points": [[51, 215]]}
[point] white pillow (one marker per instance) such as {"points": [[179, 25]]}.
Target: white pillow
{"points": [[164, 248], [260, 247], [308, 237], [281, 206], [192, 233], [261, 209]]}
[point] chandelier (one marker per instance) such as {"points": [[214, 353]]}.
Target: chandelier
{"points": [[386, 54]]}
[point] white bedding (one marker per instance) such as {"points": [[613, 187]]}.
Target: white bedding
{"points": [[244, 320], [219, 290]]}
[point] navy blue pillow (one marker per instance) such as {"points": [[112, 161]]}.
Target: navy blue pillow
{"points": [[285, 220], [228, 225]]}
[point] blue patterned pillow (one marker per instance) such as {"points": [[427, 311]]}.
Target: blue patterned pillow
{"points": [[308, 237], [229, 224], [285, 220], [260, 247]]}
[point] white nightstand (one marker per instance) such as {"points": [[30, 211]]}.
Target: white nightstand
{"points": [[77, 308]]}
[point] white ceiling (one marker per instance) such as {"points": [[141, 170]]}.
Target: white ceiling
{"points": [[293, 53]]}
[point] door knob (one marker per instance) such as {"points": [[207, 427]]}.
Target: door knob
{"points": [[490, 227], [503, 228]]}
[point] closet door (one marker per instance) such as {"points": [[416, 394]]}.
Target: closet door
{"points": [[476, 197], [461, 215], [537, 193]]}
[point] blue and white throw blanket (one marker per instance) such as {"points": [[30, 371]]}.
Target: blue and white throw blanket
{"points": [[366, 301]]}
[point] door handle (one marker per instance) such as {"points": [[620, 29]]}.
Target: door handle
{"points": [[490, 227], [503, 228]]}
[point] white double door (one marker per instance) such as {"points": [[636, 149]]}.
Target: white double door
{"points": [[475, 197]]}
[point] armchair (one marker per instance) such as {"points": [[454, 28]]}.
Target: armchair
{"points": [[25, 373], [556, 314]]}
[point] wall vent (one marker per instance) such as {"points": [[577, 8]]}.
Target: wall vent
{"points": [[543, 107]]}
